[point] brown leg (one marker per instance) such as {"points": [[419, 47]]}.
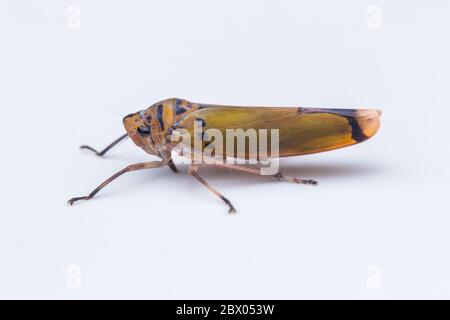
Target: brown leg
{"points": [[111, 145], [256, 169], [193, 172], [134, 167]]}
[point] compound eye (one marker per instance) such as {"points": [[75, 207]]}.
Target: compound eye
{"points": [[144, 130]]}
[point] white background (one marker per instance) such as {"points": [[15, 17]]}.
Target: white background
{"points": [[377, 226]]}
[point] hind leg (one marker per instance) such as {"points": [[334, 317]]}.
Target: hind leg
{"points": [[256, 170]]}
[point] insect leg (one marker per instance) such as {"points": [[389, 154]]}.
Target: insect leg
{"points": [[111, 145], [172, 166], [281, 177], [193, 172], [256, 169], [134, 167]]}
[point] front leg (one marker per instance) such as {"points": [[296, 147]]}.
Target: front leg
{"points": [[134, 167], [109, 147]]}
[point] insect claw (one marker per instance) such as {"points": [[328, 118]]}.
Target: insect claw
{"points": [[232, 209], [111, 145], [228, 202], [91, 149], [312, 182], [71, 201]]}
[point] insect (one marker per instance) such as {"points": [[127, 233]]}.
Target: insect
{"points": [[300, 131]]}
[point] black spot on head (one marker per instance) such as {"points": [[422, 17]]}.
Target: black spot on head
{"points": [[144, 131]]}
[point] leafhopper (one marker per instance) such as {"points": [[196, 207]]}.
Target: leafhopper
{"points": [[246, 139]]}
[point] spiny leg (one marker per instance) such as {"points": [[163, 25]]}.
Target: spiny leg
{"points": [[193, 172], [281, 177], [111, 145], [256, 170], [134, 167]]}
